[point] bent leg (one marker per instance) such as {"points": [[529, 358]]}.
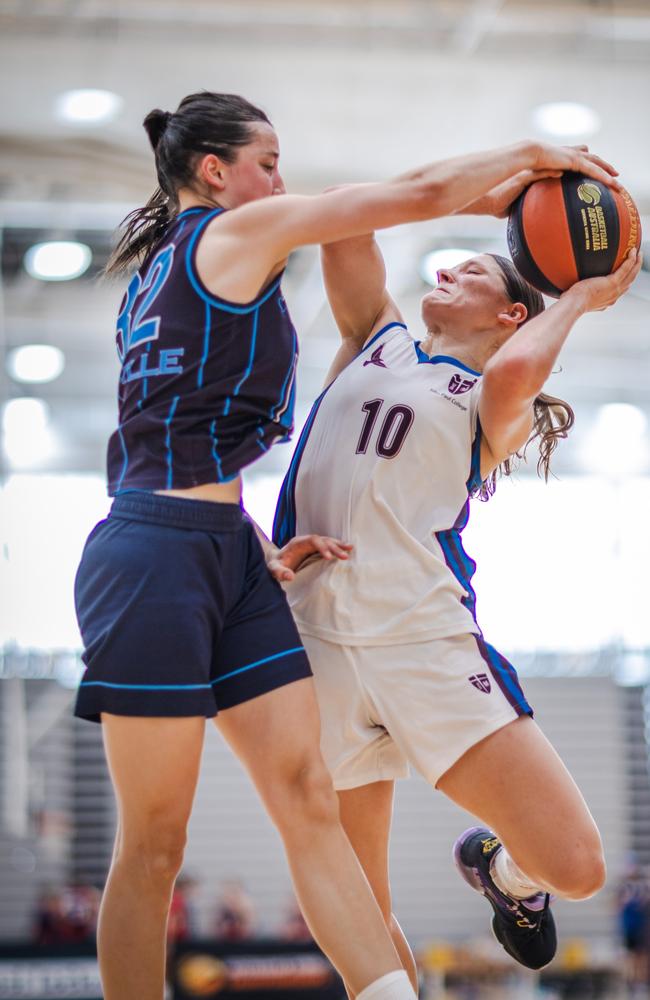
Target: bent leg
{"points": [[154, 765], [366, 814], [515, 782], [276, 737]]}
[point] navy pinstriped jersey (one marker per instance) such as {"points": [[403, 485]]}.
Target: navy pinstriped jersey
{"points": [[206, 386]]}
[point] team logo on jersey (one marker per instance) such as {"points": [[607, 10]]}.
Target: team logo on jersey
{"points": [[481, 682], [458, 384], [375, 358]]}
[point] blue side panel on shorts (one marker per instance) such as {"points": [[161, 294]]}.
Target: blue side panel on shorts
{"points": [[505, 675]]}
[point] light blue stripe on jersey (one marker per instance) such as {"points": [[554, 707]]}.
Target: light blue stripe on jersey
{"points": [[206, 346], [168, 440], [203, 293], [249, 367], [215, 453], [144, 380], [283, 405]]}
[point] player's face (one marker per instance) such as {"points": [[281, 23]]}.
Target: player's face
{"points": [[255, 173], [467, 298]]}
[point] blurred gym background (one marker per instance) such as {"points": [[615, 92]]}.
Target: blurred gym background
{"points": [[357, 90]]}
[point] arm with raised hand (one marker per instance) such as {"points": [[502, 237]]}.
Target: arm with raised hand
{"points": [[516, 373], [355, 281]]}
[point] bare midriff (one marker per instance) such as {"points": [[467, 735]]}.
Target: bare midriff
{"points": [[212, 492]]}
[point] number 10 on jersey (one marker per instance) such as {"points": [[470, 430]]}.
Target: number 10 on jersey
{"points": [[393, 429]]}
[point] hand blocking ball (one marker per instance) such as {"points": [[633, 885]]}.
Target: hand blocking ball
{"points": [[564, 229]]}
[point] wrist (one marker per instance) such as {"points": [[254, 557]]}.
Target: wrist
{"points": [[527, 153], [577, 297]]}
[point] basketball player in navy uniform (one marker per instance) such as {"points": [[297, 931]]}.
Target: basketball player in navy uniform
{"points": [[405, 431], [181, 616]]}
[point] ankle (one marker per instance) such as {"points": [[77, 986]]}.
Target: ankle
{"points": [[510, 879], [394, 986]]}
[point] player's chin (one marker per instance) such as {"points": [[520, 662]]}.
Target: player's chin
{"points": [[432, 306]]}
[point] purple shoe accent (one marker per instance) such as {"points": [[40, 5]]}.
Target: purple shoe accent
{"points": [[475, 878], [471, 875], [536, 902]]}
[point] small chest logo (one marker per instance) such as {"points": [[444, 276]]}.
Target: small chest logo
{"points": [[458, 384], [375, 358], [481, 682]]}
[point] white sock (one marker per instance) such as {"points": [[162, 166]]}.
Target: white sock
{"points": [[393, 986], [510, 879]]}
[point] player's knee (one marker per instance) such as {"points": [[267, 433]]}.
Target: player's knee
{"points": [[311, 793], [583, 872], [589, 877], [155, 855]]}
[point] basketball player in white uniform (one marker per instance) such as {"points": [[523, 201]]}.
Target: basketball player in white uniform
{"points": [[405, 431]]}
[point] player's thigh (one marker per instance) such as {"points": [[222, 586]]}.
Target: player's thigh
{"points": [[276, 736], [154, 766], [366, 815], [516, 783]]}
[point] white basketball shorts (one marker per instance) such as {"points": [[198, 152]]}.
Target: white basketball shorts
{"points": [[385, 707]]}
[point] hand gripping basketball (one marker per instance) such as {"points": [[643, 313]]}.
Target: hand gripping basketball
{"points": [[564, 229], [600, 293]]}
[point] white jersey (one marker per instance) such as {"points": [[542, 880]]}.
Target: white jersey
{"points": [[386, 460]]}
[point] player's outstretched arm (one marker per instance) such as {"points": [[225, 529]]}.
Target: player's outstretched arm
{"points": [[276, 226], [517, 372]]}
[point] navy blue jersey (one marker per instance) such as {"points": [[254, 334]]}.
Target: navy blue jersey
{"points": [[206, 385]]}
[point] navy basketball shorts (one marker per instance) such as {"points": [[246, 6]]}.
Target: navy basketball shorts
{"points": [[178, 613]]}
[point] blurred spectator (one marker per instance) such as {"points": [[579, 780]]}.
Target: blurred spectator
{"points": [[235, 914], [66, 915], [294, 927], [49, 920], [634, 925], [182, 923], [81, 908]]}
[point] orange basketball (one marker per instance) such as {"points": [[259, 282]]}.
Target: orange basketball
{"points": [[563, 229]]}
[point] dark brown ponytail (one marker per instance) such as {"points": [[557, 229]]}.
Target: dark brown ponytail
{"points": [[203, 123]]}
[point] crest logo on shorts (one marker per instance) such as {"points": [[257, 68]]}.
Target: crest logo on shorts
{"points": [[375, 358], [458, 384], [481, 682]]}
